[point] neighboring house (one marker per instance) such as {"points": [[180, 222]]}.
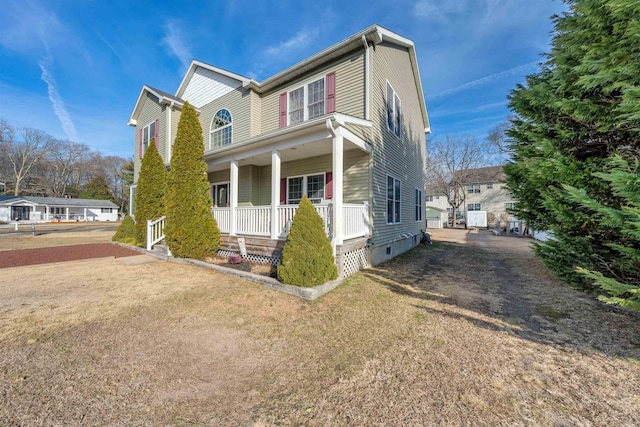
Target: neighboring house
{"points": [[486, 191], [19, 208], [345, 126], [437, 217], [438, 201]]}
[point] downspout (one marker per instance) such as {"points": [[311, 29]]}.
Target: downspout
{"points": [[367, 115]]}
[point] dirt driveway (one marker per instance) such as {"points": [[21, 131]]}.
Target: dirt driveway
{"points": [[470, 331]]}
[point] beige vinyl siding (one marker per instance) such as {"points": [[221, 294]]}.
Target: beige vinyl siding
{"points": [[175, 119], [150, 111], [349, 89], [256, 114], [492, 200], [255, 181], [404, 158], [238, 103]]}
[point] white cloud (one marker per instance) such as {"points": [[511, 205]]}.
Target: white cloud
{"points": [[531, 66], [174, 40], [56, 100], [301, 40]]}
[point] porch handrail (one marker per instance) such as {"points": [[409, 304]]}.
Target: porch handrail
{"points": [[355, 220], [155, 231]]}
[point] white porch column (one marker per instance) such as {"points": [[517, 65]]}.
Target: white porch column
{"points": [[84, 214], [233, 196], [67, 213], [338, 168], [275, 192]]}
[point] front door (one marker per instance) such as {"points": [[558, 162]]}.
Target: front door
{"points": [[220, 195]]}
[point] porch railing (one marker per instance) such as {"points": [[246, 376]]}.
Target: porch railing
{"points": [[155, 232], [256, 220]]}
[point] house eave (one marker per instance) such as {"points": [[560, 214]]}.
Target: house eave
{"points": [[195, 64]]}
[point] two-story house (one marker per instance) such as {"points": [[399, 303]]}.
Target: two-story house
{"points": [[486, 191], [345, 126]]}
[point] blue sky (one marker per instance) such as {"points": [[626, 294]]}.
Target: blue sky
{"points": [[74, 68]]}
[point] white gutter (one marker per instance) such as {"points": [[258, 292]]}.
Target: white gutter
{"points": [[367, 115], [168, 129]]}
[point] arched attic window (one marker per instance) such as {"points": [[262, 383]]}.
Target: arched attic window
{"points": [[221, 129]]}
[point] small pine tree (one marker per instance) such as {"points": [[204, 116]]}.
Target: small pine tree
{"points": [[97, 189], [150, 192], [190, 229], [307, 257], [126, 232]]}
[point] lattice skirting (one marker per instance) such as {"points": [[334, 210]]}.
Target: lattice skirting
{"points": [[258, 259], [354, 260]]}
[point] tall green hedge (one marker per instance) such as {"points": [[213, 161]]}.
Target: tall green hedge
{"points": [[190, 229], [307, 258], [152, 182], [126, 232]]}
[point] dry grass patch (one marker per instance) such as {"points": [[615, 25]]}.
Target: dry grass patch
{"points": [[455, 334], [42, 239]]}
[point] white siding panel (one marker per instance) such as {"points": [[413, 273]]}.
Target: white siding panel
{"points": [[205, 86]]}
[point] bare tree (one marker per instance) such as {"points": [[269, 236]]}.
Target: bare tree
{"points": [[498, 137], [27, 153], [449, 161], [62, 161]]}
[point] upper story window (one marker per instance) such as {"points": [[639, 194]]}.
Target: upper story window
{"points": [[473, 188], [309, 101], [311, 185], [394, 111], [147, 134], [306, 102], [474, 206], [221, 129], [490, 186]]}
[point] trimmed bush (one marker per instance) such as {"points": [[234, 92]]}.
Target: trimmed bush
{"points": [[190, 229], [150, 191], [307, 258], [126, 232]]}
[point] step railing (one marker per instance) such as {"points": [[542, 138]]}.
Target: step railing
{"points": [[155, 232]]}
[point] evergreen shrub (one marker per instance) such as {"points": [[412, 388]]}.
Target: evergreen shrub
{"points": [[190, 229], [150, 192], [126, 232], [307, 258]]}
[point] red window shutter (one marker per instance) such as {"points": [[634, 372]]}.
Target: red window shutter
{"points": [[140, 152], [156, 136], [328, 188], [283, 191], [330, 104], [283, 110]]}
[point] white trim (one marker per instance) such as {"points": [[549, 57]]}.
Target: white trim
{"points": [[230, 124], [168, 133], [305, 100], [421, 197], [394, 111], [304, 177], [195, 64], [367, 102], [386, 200], [275, 191], [132, 199], [233, 202]]}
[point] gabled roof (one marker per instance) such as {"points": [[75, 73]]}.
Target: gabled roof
{"points": [[194, 66], [374, 34], [57, 201], [163, 98], [484, 175]]}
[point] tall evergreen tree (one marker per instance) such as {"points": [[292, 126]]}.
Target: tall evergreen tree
{"points": [[190, 229], [152, 183], [573, 117]]}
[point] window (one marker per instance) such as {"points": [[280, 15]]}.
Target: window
{"points": [[311, 185], [429, 198], [419, 208], [509, 205], [306, 102], [106, 210], [473, 188], [473, 207], [221, 129], [394, 111], [436, 197], [148, 133], [220, 194], [393, 200], [490, 186]]}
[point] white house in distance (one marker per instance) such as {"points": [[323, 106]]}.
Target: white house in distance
{"points": [[45, 209], [346, 127]]}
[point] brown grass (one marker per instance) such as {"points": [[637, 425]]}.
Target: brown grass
{"points": [[470, 333]]}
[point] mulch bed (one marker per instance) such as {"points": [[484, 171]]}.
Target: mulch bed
{"points": [[17, 258]]}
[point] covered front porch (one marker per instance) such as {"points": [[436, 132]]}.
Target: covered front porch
{"points": [[256, 185]]}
